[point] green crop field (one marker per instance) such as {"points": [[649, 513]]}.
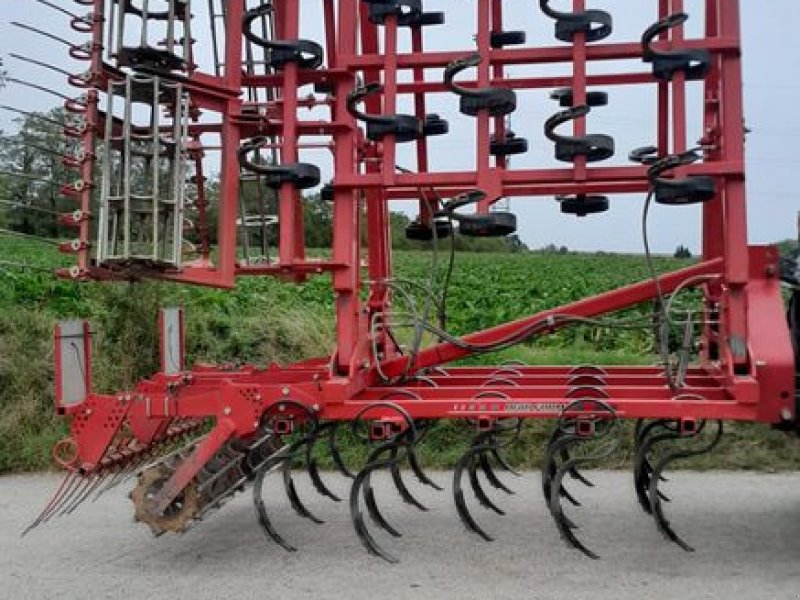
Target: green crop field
{"points": [[264, 320]]}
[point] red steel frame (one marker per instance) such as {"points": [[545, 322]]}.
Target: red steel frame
{"points": [[749, 377]]}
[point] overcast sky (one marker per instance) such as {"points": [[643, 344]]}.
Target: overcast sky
{"points": [[772, 100]]}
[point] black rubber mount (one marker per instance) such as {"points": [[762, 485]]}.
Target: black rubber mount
{"points": [[409, 13], [694, 189], [695, 64], [327, 192], [300, 175], [501, 39], [678, 192], [509, 145], [566, 98], [435, 125], [153, 59], [498, 102], [494, 224], [595, 24], [405, 128], [420, 232], [595, 147], [583, 205], [307, 54]]}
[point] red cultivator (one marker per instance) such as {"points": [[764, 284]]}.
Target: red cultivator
{"points": [[150, 120]]}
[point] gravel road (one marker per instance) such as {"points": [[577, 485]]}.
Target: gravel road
{"points": [[746, 528]]}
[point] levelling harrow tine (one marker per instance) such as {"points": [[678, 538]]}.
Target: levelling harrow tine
{"points": [[66, 483], [96, 481], [291, 492], [662, 523], [313, 466]]}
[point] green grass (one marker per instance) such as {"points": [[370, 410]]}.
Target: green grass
{"points": [[264, 320]]}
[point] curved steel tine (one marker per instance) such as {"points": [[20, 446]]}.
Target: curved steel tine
{"points": [[336, 454], [373, 510], [503, 462], [642, 469], [491, 476], [416, 468], [291, 491], [313, 467], [261, 511], [458, 496], [550, 468], [358, 517], [66, 483], [662, 522], [403, 490], [477, 489], [565, 526]]}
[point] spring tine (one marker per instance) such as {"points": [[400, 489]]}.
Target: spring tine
{"points": [[642, 469], [261, 511], [63, 11], [358, 517], [662, 522], [416, 468], [458, 496], [397, 478], [558, 432], [503, 462], [491, 476], [565, 526], [475, 484], [291, 492], [372, 508], [313, 467], [66, 483], [336, 455], [550, 467]]}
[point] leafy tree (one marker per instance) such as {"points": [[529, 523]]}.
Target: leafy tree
{"points": [[682, 252]]}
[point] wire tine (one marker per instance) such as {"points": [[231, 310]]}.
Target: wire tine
{"points": [[87, 482], [27, 176], [34, 238], [63, 11], [10, 264], [61, 489], [39, 63], [32, 115], [41, 88], [26, 144], [41, 32], [73, 487], [98, 479], [23, 206]]}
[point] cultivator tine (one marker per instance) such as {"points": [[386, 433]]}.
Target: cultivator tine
{"points": [[336, 454], [291, 492], [54, 502], [475, 484], [313, 467], [419, 473], [642, 468], [405, 493], [669, 457], [491, 476], [261, 509], [581, 422], [458, 496], [362, 483], [503, 462]]}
